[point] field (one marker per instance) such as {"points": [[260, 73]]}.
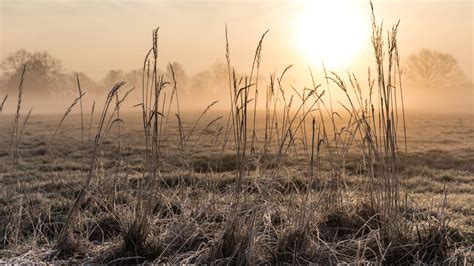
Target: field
{"points": [[192, 209], [283, 176]]}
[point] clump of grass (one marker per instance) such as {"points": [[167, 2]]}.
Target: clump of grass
{"points": [[66, 241], [137, 229]]}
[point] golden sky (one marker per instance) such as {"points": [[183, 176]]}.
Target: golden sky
{"points": [[96, 36]]}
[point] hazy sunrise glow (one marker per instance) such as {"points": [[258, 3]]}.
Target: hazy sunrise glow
{"points": [[331, 32]]}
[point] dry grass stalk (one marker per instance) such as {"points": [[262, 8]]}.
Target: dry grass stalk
{"points": [[21, 131], [15, 129], [66, 238], [136, 231], [80, 99], [91, 119], [3, 103], [174, 92], [66, 113]]}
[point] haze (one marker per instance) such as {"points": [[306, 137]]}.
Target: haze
{"points": [[94, 37]]}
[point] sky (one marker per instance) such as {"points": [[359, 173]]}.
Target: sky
{"points": [[96, 36]]}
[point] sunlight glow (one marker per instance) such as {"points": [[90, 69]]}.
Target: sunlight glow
{"points": [[332, 32]]}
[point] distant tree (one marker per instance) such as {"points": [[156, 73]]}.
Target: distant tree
{"points": [[39, 63], [211, 81], [47, 86], [133, 78], [42, 71], [428, 69], [69, 81], [14, 62], [111, 78]]}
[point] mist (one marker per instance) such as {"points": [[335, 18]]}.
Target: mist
{"points": [[432, 82], [105, 49]]}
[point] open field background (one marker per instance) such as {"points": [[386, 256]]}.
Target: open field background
{"points": [[193, 207]]}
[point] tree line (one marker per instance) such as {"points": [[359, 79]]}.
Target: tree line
{"points": [[46, 80]]}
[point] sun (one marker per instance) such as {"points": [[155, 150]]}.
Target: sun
{"points": [[333, 32]]}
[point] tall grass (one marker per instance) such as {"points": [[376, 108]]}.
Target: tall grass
{"points": [[91, 119], [66, 113], [137, 230], [282, 194], [80, 104], [23, 128], [14, 137], [66, 238]]}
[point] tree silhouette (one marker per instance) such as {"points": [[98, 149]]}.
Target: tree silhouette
{"points": [[42, 74], [209, 82], [112, 77], [433, 70], [46, 84]]}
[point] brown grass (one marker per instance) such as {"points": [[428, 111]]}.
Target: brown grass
{"points": [[313, 185]]}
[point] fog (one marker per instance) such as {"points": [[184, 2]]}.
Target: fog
{"points": [[105, 42]]}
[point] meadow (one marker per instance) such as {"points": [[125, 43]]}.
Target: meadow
{"points": [[305, 179]]}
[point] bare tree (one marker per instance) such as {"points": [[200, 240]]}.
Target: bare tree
{"points": [[39, 63], [112, 77], [210, 81], [43, 71], [433, 70]]}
